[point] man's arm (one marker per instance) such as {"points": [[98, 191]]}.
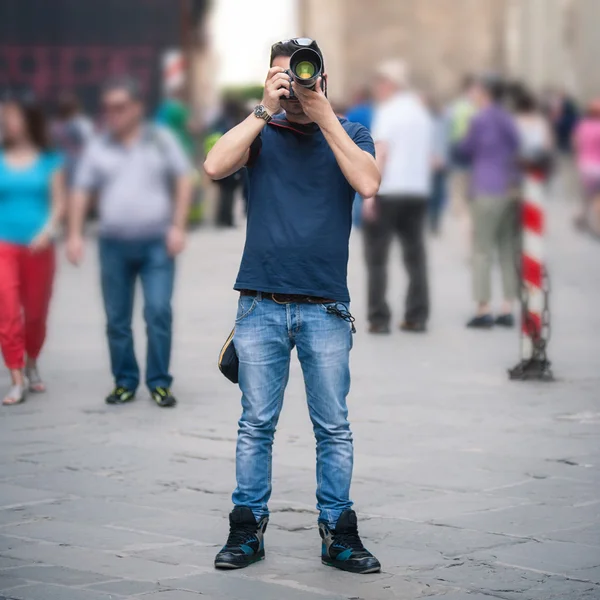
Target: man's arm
{"points": [[231, 152], [357, 165], [180, 170], [381, 153], [183, 201]]}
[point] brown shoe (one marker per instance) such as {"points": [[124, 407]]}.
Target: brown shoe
{"points": [[413, 327], [379, 329]]}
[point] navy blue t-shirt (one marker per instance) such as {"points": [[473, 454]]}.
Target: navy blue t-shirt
{"points": [[299, 212]]}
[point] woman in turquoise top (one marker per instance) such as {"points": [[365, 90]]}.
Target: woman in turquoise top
{"points": [[32, 202]]}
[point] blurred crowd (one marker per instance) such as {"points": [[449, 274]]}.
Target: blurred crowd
{"points": [[468, 153]]}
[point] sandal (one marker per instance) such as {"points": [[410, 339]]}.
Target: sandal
{"points": [[15, 395], [36, 385]]}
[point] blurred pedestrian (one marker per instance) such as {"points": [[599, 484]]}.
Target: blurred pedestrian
{"points": [[361, 112], [403, 134], [492, 146], [441, 164], [175, 114], [564, 115], [587, 149], [460, 114], [294, 293], [32, 201], [228, 186], [142, 178], [71, 130], [535, 135]]}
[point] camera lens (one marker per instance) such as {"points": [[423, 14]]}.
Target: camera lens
{"points": [[305, 70], [306, 66]]}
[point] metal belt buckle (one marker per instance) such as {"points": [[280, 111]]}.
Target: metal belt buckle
{"points": [[274, 296]]}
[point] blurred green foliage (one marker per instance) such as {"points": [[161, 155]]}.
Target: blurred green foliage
{"points": [[243, 93]]}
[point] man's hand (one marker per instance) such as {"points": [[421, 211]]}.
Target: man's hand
{"points": [[369, 209], [175, 241], [314, 102], [41, 242], [277, 86], [75, 249]]}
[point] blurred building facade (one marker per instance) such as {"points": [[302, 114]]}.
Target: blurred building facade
{"points": [[545, 42], [554, 42]]}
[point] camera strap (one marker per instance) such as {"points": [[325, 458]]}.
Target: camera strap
{"points": [[283, 123]]}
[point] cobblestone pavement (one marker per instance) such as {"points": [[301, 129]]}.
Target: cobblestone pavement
{"points": [[468, 486]]}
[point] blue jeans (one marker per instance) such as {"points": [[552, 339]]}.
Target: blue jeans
{"points": [[437, 200], [121, 262], [265, 334]]}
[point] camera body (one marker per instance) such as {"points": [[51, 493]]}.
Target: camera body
{"points": [[292, 95]]}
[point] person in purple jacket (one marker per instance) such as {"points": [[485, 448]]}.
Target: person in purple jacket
{"points": [[492, 147]]}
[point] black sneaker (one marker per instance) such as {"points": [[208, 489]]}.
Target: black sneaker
{"points": [[163, 397], [245, 544], [506, 320], [120, 395], [481, 322], [343, 549]]}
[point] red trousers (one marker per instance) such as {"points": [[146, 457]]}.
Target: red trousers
{"points": [[25, 289]]}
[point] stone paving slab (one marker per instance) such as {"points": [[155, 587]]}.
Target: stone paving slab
{"points": [[573, 561], [467, 486], [44, 591]]}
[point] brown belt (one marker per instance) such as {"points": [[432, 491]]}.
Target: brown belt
{"points": [[288, 298]]}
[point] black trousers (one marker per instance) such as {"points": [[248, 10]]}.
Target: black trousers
{"points": [[404, 216], [227, 190]]}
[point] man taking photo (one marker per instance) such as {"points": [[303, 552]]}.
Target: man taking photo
{"points": [[305, 165]]}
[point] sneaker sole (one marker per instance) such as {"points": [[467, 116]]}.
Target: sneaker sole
{"points": [[343, 567], [232, 567], [161, 405], [112, 403]]}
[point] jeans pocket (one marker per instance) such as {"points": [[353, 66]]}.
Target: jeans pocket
{"points": [[246, 305]]}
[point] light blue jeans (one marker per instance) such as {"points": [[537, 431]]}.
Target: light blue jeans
{"points": [[265, 334]]}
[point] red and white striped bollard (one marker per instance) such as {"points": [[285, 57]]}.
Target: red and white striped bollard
{"points": [[534, 300]]}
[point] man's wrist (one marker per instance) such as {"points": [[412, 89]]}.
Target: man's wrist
{"points": [[328, 120], [263, 112]]}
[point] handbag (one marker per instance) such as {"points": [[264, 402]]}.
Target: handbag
{"points": [[229, 363]]}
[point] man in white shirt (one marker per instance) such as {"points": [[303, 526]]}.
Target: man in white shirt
{"points": [[403, 131]]}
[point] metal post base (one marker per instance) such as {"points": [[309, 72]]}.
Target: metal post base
{"points": [[532, 370]]}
